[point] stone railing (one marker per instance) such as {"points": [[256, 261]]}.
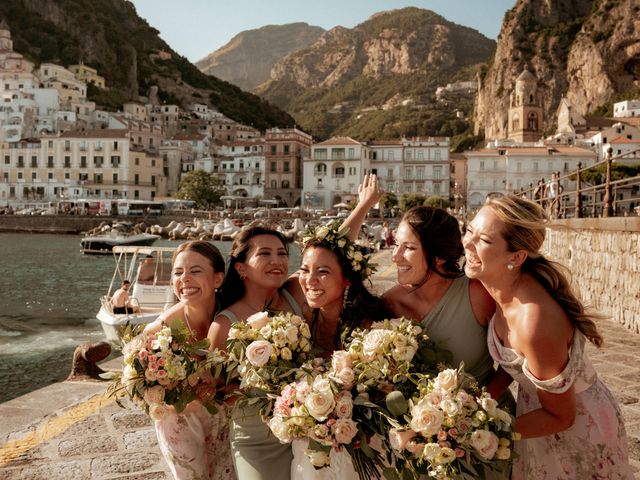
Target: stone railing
{"points": [[603, 256]]}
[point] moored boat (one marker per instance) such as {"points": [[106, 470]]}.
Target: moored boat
{"points": [[149, 271], [103, 244]]}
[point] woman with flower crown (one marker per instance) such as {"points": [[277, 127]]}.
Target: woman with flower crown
{"points": [[256, 281], [194, 443], [331, 275]]}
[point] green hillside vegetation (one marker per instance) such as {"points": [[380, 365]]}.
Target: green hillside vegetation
{"points": [[359, 106], [109, 36]]}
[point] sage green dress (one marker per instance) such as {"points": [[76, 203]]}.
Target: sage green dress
{"points": [[453, 326], [257, 453]]}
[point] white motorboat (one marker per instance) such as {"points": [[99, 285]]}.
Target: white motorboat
{"points": [[103, 244], [149, 271]]}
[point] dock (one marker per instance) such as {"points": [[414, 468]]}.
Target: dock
{"points": [[73, 430]]}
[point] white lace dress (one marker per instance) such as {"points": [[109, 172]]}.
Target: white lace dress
{"points": [[594, 448]]}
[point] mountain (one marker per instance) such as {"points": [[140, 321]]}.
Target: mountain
{"points": [[378, 79], [110, 36], [586, 50], [246, 61]]}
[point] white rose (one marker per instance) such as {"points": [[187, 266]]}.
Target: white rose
{"points": [[154, 395], [373, 343], [158, 411], [292, 333], [431, 451], [398, 439], [234, 333], [344, 430], [266, 331], [305, 331], [318, 458], [302, 390], [485, 443], [286, 354], [279, 429], [128, 373], [344, 406], [447, 380], [259, 352], [321, 384], [320, 404], [503, 417], [489, 404], [446, 455], [404, 353], [503, 453], [426, 419], [258, 320], [134, 346], [450, 406], [340, 360], [341, 243]]}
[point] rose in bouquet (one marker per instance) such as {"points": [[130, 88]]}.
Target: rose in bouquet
{"points": [[452, 431], [167, 369], [319, 407], [265, 353]]}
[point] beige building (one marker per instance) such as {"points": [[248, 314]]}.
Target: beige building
{"points": [[97, 164], [87, 74]]}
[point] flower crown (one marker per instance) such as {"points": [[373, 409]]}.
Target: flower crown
{"points": [[336, 239]]}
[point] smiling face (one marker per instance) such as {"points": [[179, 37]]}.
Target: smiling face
{"points": [[409, 256], [485, 248], [193, 277], [321, 278], [267, 262]]}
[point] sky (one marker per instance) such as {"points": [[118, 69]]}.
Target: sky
{"points": [[195, 28]]}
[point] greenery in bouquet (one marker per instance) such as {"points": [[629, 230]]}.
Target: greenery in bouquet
{"points": [[319, 406], [265, 353], [451, 430], [168, 369]]}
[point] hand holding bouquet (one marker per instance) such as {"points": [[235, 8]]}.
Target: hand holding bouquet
{"points": [[168, 369]]}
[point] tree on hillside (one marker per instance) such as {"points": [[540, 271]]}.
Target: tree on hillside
{"points": [[203, 188], [410, 200]]}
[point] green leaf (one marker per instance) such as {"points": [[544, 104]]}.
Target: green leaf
{"points": [[396, 403]]}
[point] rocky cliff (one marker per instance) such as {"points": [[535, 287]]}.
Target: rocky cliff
{"points": [[247, 59], [394, 59], [586, 50]]}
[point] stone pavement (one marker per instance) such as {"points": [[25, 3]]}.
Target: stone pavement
{"points": [[71, 430]]}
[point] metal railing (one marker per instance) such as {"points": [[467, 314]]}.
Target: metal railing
{"points": [[589, 199]]}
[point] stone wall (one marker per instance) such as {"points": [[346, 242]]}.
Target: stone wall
{"points": [[603, 255]]}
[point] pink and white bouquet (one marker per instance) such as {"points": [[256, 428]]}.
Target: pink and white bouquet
{"points": [[447, 432], [266, 351], [168, 370], [319, 407]]}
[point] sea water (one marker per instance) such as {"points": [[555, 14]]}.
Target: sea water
{"points": [[49, 297]]}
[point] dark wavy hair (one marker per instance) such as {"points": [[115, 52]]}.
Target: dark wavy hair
{"points": [[441, 238], [233, 288], [360, 305]]}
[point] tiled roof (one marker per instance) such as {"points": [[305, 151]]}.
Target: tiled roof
{"points": [[189, 136], [624, 140]]}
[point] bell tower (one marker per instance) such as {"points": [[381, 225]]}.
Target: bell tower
{"points": [[5, 37], [525, 110]]}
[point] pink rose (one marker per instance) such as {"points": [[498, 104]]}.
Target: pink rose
{"points": [[259, 352], [258, 320], [344, 430], [485, 443], [154, 394]]}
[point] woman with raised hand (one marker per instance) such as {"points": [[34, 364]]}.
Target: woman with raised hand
{"points": [[194, 443], [256, 281], [570, 424], [331, 275], [432, 288]]}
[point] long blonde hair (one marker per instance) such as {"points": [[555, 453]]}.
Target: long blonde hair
{"points": [[524, 229]]}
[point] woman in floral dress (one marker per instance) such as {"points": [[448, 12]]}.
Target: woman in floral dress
{"points": [[194, 443], [570, 424]]}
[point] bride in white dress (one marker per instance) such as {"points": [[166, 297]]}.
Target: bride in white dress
{"points": [[340, 302]]}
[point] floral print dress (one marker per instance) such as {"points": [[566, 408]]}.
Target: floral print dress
{"points": [[195, 443], [594, 448]]}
